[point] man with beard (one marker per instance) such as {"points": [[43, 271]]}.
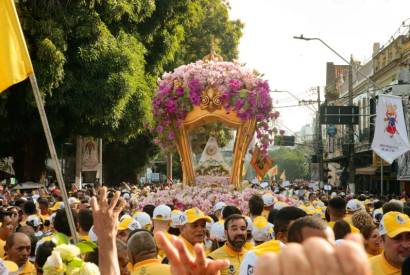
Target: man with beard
{"points": [[395, 231], [233, 250]]}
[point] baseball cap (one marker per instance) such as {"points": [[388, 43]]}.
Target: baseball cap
{"points": [[268, 199], [394, 223], [34, 220], [177, 218], [124, 224], [262, 230], [194, 214], [217, 232], [219, 206], [125, 216], [144, 219], [162, 213], [377, 215], [353, 205], [134, 225], [8, 267], [73, 200], [57, 205], [264, 184], [249, 222], [91, 234], [279, 205]]}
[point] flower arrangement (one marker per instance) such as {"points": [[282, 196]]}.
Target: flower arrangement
{"points": [[65, 258], [241, 90]]}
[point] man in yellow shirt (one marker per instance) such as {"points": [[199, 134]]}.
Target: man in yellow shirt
{"points": [[193, 230], [161, 221], [143, 255], [395, 231], [18, 248], [283, 220], [337, 211], [6, 229], [233, 250]]}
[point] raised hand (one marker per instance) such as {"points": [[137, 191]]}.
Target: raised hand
{"points": [[182, 263]]}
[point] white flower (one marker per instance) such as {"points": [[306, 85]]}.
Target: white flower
{"points": [[54, 264], [87, 269], [68, 251]]}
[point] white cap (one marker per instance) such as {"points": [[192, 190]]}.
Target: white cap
{"points": [[217, 232], [91, 234], [268, 199], [134, 225], [144, 219], [177, 218], [377, 215], [262, 230], [264, 184], [34, 220], [219, 206], [279, 205], [73, 200], [333, 195], [353, 205], [249, 222], [162, 213], [126, 196]]}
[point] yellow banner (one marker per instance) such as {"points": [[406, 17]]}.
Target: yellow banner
{"points": [[15, 63]]}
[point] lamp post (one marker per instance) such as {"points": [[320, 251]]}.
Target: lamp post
{"points": [[351, 128]]}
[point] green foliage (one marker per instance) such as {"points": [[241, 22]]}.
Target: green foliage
{"points": [[86, 246], [293, 160]]}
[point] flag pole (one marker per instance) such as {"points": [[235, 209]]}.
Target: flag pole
{"points": [[381, 178], [50, 143]]}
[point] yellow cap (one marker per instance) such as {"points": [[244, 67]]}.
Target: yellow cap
{"points": [[194, 214], [124, 223], [11, 266], [57, 205], [394, 223]]}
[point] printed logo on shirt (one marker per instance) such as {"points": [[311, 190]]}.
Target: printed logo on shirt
{"points": [[250, 270], [231, 269]]}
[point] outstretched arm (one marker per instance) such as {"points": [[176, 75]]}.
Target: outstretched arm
{"points": [[105, 217]]}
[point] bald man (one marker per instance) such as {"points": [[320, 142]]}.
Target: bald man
{"points": [[18, 247], [143, 254]]}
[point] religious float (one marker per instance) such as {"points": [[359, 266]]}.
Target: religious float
{"points": [[214, 113]]}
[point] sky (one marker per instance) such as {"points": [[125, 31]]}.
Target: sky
{"points": [[348, 26]]}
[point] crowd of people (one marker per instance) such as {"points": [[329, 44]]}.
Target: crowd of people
{"points": [[277, 232]]}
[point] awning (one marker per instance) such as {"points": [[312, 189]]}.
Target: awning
{"points": [[370, 170]]}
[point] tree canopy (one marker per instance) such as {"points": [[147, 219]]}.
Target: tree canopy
{"points": [[292, 160]]}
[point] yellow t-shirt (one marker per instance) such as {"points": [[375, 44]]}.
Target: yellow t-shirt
{"points": [[353, 228], [380, 266], [161, 253], [248, 263], [2, 244], [151, 267], [235, 258], [27, 269]]}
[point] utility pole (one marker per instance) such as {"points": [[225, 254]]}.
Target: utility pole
{"points": [[319, 140], [319, 146], [351, 168]]}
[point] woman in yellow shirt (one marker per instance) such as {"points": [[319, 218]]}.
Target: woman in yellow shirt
{"points": [[372, 240]]}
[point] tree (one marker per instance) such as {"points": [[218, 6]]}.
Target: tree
{"points": [[293, 160]]}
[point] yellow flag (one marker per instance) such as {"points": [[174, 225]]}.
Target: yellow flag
{"points": [[15, 63], [283, 175], [273, 171]]}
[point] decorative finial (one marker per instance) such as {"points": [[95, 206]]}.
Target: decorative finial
{"points": [[213, 56]]}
